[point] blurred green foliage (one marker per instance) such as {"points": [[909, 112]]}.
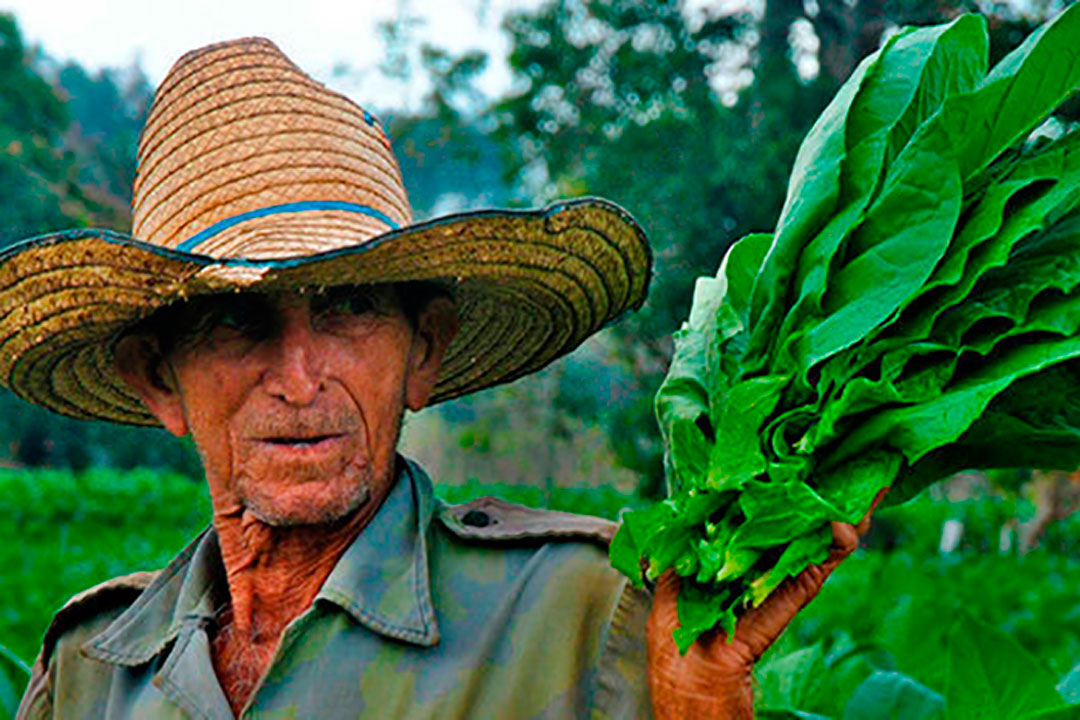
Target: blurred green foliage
{"points": [[66, 141], [688, 116], [33, 165], [602, 502], [889, 608], [14, 673], [67, 158], [64, 532]]}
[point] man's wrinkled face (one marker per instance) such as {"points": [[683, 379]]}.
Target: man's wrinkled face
{"points": [[295, 400]]}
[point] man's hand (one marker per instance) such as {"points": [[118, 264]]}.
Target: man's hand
{"points": [[713, 679]]}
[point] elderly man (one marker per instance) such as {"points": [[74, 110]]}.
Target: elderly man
{"points": [[276, 303]]}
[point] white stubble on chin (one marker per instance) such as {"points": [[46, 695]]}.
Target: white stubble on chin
{"points": [[317, 509]]}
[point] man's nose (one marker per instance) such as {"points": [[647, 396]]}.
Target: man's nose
{"points": [[296, 370]]}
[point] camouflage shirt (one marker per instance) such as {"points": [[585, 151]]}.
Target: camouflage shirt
{"points": [[486, 610]]}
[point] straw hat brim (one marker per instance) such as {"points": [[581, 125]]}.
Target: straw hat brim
{"points": [[530, 287]]}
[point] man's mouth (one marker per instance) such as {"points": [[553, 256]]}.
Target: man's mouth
{"points": [[300, 442]]}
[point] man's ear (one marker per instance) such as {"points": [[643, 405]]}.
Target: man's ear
{"points": [[436, 326], [139, 361]]}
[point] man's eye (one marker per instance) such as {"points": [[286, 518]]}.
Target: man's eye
{"points": [[344, 301], [233, 320], [247, 318]]}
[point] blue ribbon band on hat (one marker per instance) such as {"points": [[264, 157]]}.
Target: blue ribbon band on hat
{"points": [[199, 238]]}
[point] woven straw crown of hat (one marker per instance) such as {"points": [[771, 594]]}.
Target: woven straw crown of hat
{"points": [[252, 176]]}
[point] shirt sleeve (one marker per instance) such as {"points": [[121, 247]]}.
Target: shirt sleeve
{"points": [[622, 689], [37, 700]]}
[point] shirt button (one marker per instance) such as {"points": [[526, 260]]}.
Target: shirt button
{"points": [[476, 518]]}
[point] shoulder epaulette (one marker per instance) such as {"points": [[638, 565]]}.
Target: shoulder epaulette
{"points": [[111, 593], [490, 518]]}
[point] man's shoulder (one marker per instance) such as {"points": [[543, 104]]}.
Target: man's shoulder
{"points": [[574, 589], [103, 601], [496, 521]]}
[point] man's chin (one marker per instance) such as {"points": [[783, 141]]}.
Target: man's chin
{"points": [[290, 494], [284, 511]]}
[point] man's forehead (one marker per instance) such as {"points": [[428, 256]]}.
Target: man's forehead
{"points": [[384, 297], [184, 322], [302, 295]]}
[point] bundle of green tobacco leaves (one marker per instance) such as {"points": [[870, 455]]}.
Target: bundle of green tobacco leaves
{"points": [[914, 314]]}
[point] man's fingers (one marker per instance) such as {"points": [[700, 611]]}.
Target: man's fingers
{"points": [[665, 599], [864, 525], [762, 625], [845, 541]]}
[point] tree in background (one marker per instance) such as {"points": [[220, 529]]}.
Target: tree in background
{"points": [[687, 115], [67, 159], [690, 117], [34, 169], [108, 110]]}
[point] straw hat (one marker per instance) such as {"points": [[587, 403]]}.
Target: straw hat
{"points": [[252, 176]]}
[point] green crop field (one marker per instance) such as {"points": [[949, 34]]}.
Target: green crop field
{"points": [[885, 629]]}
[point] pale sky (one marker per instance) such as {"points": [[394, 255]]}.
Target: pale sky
{"points": [[317, 34]]}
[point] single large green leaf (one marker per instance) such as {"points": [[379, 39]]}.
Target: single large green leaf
{"points": [[636, 530], [905, 234], [1034, 423], [850, 487], [700, 609], [916, 430], [957, 65], [682, 408], [741, 266], [739, 269], [791, 682], [893, 696], [990, 676], [809, 548], [739, 416], [917, 69], [811, 198], [1018, 93], [777, 512]]}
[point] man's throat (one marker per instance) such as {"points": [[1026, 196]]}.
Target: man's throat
{"points": [[274, 575]]}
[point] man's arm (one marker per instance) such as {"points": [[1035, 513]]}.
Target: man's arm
{"points": [[96, 605], [714, 678], [37, 700]]}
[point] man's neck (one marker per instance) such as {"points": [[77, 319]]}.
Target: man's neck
{"points": [[274, 575]]}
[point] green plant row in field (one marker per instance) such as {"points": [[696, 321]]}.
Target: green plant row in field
{"points": [[882, 612], [989, 676], [902, 621]]}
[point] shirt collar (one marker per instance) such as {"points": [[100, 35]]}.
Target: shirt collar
{"points": [[185, 591], [382, 581]]}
